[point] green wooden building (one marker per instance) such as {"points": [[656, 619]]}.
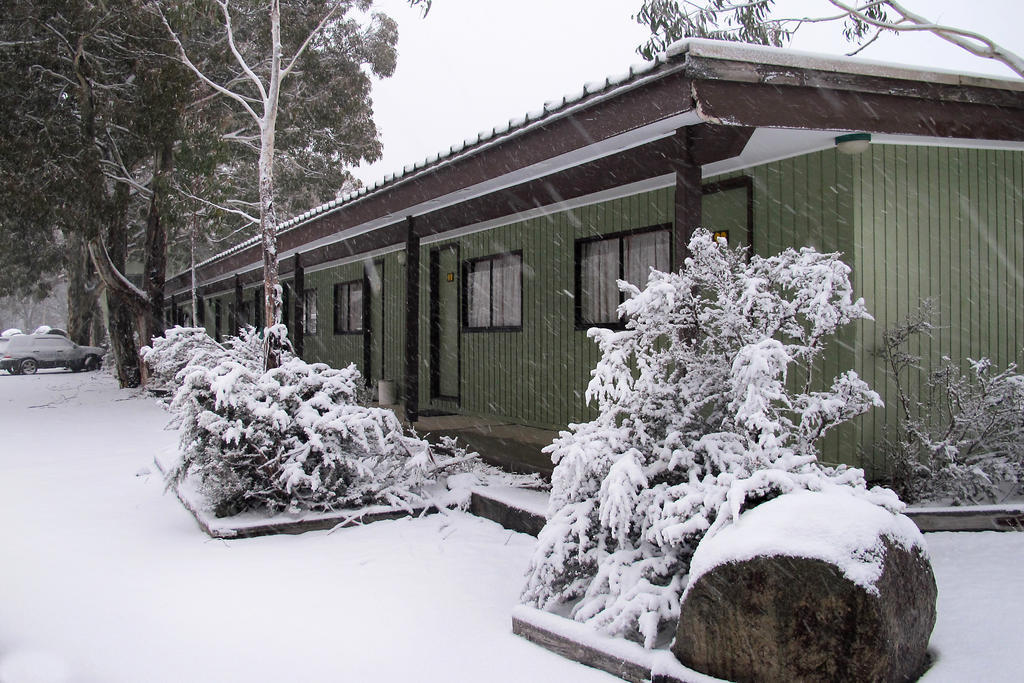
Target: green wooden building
{"points": [[469, 280]]}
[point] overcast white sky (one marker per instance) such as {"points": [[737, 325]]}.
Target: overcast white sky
{"points": [[473, 64]]}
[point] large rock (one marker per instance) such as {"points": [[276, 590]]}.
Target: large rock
{"points": [[810, 587]]}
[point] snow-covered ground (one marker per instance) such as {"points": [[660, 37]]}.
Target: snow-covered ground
{"points": [[104, 578]]}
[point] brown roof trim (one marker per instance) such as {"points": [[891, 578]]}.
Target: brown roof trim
{"points": [[785, 106], [728, 85]]}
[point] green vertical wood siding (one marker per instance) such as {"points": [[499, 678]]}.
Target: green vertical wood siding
{"points": [[945, 224], [537, 375], [912, 222], [336, 350]]}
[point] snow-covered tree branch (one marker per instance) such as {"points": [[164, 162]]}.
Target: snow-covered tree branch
{"points": [[759, 21], [262, 51]]}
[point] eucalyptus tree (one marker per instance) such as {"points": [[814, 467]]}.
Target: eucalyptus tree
{"points": [[298, 83], [764, 22]]}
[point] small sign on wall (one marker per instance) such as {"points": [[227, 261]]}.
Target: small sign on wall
{"points": [[451, 277], [721, 234]]}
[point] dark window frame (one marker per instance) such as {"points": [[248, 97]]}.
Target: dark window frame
{"points": [[256, 319], [307, 328], [744, 182], [348, 285], [218, 314], [578, 269], [435, 324], [466, 269]]}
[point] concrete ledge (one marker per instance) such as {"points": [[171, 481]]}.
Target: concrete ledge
{"points": [[252, 525], [506, 514], [973, 518], [530, 519], [619, 657]]}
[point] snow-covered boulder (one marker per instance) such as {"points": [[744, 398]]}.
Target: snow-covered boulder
{"points": [[809, 586]]}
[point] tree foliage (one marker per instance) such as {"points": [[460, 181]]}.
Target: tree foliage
{"points": [[296, 86], [707, 407], [764, 22], [114, 151]]}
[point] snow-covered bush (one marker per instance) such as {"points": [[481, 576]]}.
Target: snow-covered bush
{"points": [[291, 438], [960, 437], [179, 346], [707, 408]]}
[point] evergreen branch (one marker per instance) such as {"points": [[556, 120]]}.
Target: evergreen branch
{"points": [[237, 54], [183, 56], [220, 207], [302, 48]]}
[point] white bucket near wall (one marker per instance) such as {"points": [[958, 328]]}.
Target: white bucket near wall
{"points": [[386, 392]]}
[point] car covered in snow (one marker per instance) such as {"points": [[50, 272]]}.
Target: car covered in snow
{"points": [[26, 353]]}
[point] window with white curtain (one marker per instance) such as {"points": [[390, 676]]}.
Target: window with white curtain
{"points": [[309, 314], [348, 307], [494, 292], [602, 262]]}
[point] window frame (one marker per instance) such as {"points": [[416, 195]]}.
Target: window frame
{"points": [[467, 266], [620, 236], [740, 182], [310, 314], [218, 314], [338, 287]]}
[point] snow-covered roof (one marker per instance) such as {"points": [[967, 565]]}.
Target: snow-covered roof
{"points": [[469, 145], [594, 90], [819, 61]]}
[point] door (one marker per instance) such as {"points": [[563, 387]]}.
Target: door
{"points": [[444, 323]]}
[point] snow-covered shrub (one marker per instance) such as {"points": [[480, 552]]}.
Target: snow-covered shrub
{"points": [[292, 438], [180, 346], [960, 437], [707, 408]]}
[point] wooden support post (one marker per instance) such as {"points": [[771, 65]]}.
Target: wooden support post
{"points": [[688, 197], [174, 311], [257, 308], [300, 304], [239, 320], [412, 322], [199, 318], [286, 291], [368, 330]]}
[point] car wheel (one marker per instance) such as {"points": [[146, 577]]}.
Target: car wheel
{"points": [[92, 363], [75, 367], [28, 367]]}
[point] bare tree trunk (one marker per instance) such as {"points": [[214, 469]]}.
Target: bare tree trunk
{"points": [[98, 331], [268, 211], [81, 290], [120, 309], [155, 270], [193, 232]]}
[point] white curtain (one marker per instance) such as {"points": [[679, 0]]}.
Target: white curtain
{"points": [[479, 287], [508, 291], [310, 312], [643, 252], [355, 307], [599, 270]]}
